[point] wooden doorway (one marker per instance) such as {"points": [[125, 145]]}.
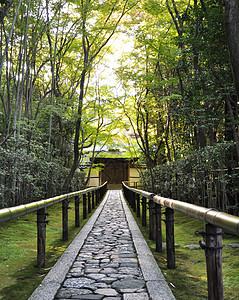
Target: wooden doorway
{"points": [[115, 170]]}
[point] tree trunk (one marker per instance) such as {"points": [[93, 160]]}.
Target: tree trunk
{"points": [[77, 134], [231, 22]]}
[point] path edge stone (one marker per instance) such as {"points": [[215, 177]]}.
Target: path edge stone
{"points": [[53, 280], [156, 284]]}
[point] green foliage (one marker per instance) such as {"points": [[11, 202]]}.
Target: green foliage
{"points": [[3, 2], [202, 178], [25, 178]]}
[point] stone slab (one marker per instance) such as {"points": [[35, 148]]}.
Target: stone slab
{"points": [[158, 288]]}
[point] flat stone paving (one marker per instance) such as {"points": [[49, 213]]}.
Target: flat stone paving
{"points": [[106, 266], [108, 259]]}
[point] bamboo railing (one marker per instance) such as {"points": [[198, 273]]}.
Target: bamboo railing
{"points": [[94, 196], [214, 220]]}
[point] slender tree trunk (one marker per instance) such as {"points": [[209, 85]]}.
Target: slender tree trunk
{"points": [[234, 129], [8, 39], [22, 77], [231, 22], [77, 134], [53, 85]]}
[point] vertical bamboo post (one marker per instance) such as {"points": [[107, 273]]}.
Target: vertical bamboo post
{"points": [[144, 212], [101, 193], [138, 205], [65, 219], [41, 237], [93, 199], [133, 202], [170, 238], [213, 251], [89, 203], [84, 207], [130, 198], [151, 220], [126, 193], [77, 213], [97, 197], [159, 242]]}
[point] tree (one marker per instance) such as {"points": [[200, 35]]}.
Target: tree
{"points": [[94, 39], [231, 21]]}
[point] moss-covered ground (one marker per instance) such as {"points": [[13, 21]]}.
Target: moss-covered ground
{"points": [[18, 251], [20, 276], [189, 279]]}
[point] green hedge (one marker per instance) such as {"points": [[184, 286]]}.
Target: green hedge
{"points": [[204, 178], [25, 178]]}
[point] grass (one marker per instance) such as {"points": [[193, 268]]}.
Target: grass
{"points": [[189, 279], [18, 251], [20, 276]]}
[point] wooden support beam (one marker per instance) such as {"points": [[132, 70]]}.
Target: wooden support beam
{"points": [[158, 225], [144, 212], [93, 199], [138, 205], [84, 207], [97, 197], [169, 213], [133, 202], [151, 220], [213, 253], [65, 207], [77, 212], [41, 237], [89, 203]]}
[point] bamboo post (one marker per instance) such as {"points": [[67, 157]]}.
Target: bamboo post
{"points": [[97, 197], [213, 252], [151, 220], [65, 208], [138, 205], [84, 207], [77, 213], [126, 193], [93, 199], [144, 212], [101, 193], [169, 213], [89, 203], [159, 242], [133, 202], [41, 237], [130, 198]]}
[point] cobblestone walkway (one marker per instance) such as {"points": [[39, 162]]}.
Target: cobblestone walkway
{"points": [[106, 266]]}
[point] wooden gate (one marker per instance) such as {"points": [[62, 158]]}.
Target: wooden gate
{"points": [[115, 170]]}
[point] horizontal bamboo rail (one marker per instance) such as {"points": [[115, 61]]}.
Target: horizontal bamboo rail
{"points": [[10, 213], [209, 215], [214, 222], [95, 195]]}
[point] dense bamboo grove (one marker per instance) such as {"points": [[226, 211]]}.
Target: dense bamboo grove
{"points": [[170, 93]]}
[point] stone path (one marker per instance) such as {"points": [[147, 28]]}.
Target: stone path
{"points": [[109, 259], [107, 266]]}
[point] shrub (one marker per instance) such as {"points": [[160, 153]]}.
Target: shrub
{"points": [[25, 178], [204, 178]]}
